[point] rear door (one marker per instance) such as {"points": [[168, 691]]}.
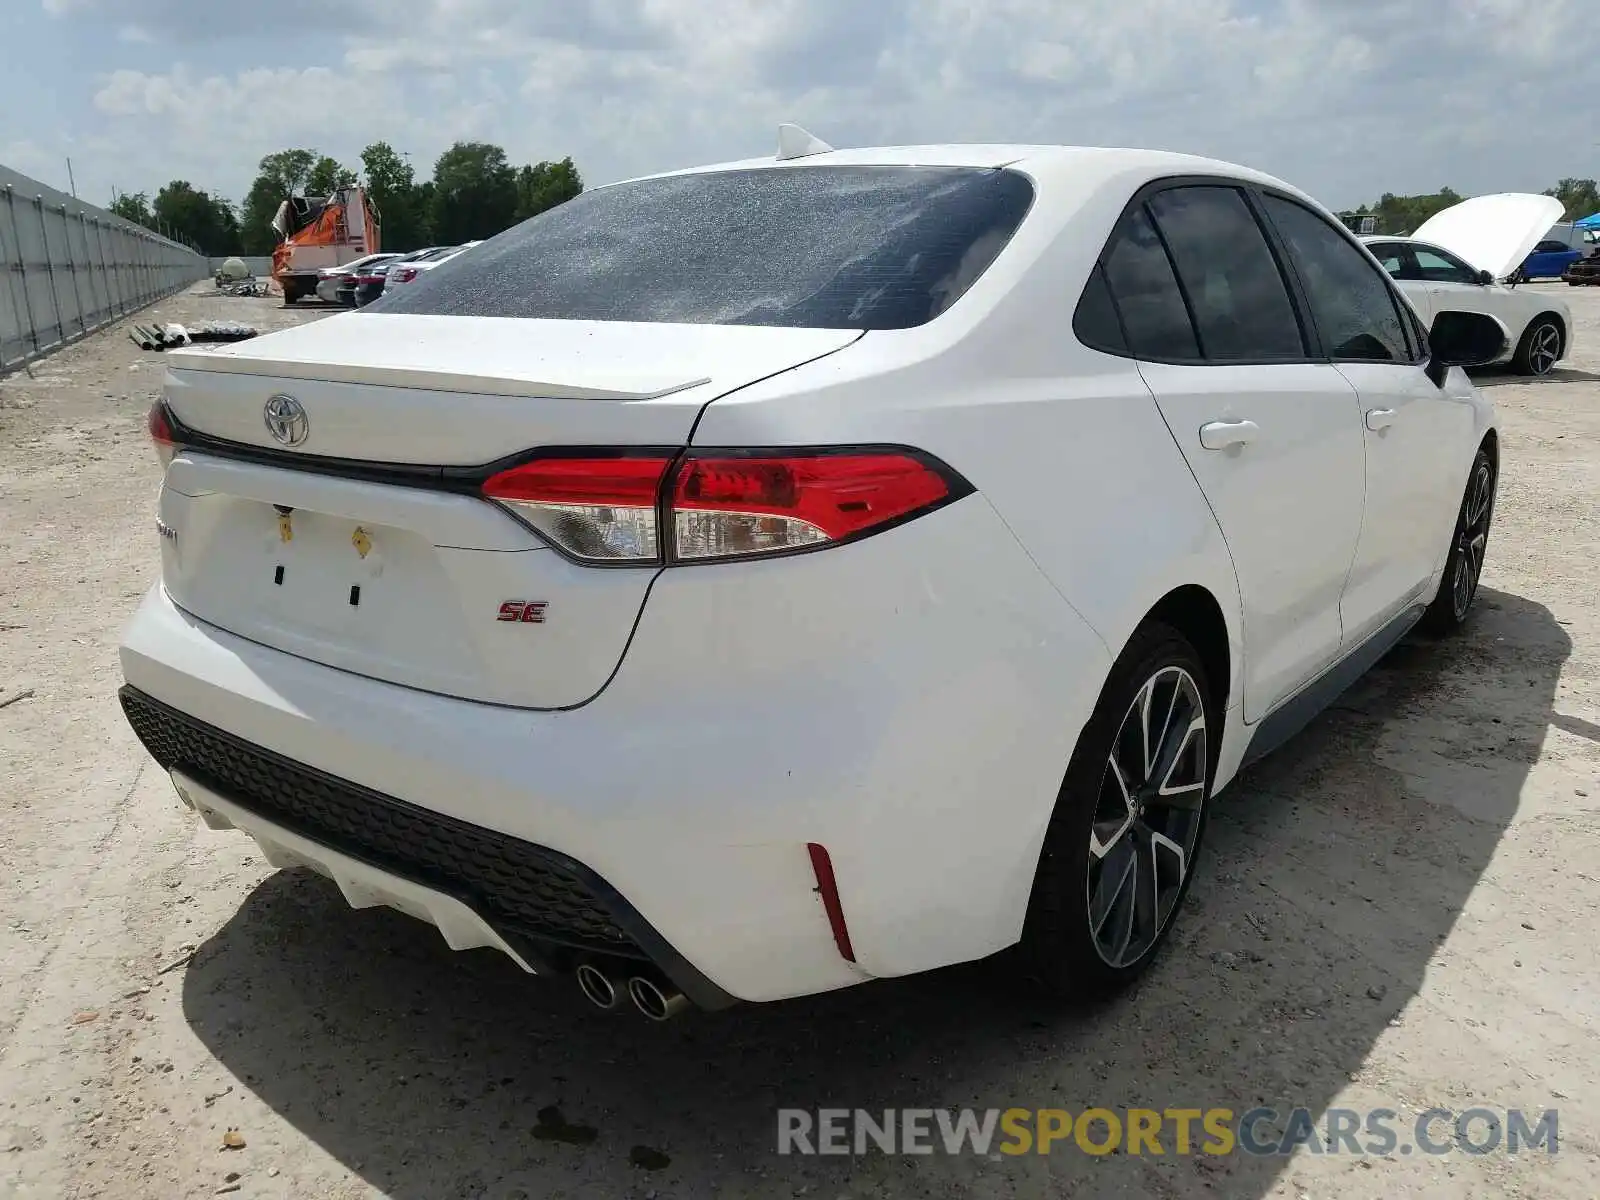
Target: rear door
{"points": [[1272, 436], [1418, 436]]}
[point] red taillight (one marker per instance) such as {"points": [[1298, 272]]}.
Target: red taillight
{"points": [[159, 423], [369, 278], [749, 504], [596, 509], [720, 504], [402, 275]]}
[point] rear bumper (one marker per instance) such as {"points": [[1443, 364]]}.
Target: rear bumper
{"points": [[909, 703], [498, 770], [478, 888]]}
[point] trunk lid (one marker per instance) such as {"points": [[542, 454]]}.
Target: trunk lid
{"points": [[335, 552], [1493, 233]]}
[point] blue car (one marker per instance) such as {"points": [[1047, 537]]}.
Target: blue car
{"points": [[1548, 260]]}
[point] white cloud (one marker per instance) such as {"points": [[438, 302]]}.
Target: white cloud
{"points": [[1345, 97]]}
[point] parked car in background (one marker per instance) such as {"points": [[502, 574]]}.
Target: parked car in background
{"points": [[370, 283], [337, 285], [1583, 273], [409, 272], [755, 580], [1549, 260], [1458, 260]]}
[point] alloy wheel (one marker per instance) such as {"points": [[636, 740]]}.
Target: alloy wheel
{"points": [[1147, 819], [1544, 348], [1473, 539]]}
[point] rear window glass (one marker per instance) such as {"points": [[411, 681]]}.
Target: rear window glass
{"points": [[817, 247]]}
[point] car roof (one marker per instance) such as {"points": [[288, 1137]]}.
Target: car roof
{"points": [[1088, 164]]}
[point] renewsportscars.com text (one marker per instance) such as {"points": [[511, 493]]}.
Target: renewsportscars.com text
{"points": [[1378, 1132]]}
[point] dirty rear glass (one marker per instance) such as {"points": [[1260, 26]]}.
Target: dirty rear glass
{"points": [[813, 247]]}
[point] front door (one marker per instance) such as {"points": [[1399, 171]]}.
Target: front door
{"points": [[1418, 447], [1416, 436]]}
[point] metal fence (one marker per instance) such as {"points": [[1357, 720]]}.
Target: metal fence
{"points": [[67, 268]]}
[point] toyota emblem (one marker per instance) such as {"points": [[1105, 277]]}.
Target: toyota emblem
{"points": [[286, 420]]}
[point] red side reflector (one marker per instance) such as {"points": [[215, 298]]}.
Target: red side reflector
{"points": [[828, 889]]}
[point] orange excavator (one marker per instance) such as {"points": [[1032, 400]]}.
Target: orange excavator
{"points": [[319, 232]]}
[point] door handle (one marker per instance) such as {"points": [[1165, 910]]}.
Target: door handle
{"points": [[1379, 419], [1220, 435]]}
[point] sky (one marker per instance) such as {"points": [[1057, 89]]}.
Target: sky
{"points": [[1345, 98]]}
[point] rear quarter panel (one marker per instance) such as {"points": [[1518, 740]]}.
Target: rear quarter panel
{"points": [[1066, 443]]}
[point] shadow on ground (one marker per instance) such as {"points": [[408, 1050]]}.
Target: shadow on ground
{"points": [[1333, 871], [1493, 377]]}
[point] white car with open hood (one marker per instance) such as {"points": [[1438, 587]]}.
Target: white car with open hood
{"points": [[754, 580], [1461, 259]]}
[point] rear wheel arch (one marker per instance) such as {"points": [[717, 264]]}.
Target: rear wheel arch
{"points": [[1194, 612]]}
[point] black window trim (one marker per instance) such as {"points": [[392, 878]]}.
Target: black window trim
{"points": [[1254, 194], [1309, 336]]}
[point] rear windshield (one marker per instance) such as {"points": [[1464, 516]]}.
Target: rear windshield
{"points": [[815, 247]]}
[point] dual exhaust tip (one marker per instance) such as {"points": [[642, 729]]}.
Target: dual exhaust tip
{"points": [[658, 1001]]}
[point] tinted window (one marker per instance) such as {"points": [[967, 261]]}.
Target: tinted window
{"points": [[1146, 291], [820, 247], [1240, 304], [1350, 299], [1438, 267], [1394, 257], [1550, 246], [1096, 322]]}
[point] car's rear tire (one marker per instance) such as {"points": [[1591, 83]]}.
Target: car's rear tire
{"points": [[1469, 540], [1540, 347], [1121, 846]]}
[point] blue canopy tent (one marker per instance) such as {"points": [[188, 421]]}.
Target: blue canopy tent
{"points": [[1592, 221]]}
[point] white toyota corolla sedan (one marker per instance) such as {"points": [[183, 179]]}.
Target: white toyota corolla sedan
{"points": [[759, 579]]}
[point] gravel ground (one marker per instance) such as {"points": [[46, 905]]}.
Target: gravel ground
{"points": [[1397, 910]]}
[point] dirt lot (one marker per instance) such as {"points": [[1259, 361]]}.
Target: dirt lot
{"points": [[1396, 911]]}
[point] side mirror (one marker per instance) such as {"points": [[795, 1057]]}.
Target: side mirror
{"points": [[1485, 278], [1462, 339]]}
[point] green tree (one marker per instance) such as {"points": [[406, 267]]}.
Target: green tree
{"points": [[327, 176], [474, 193], [545, 185], [190, 215], [394, 191], [280, 176], [135, 207], [1580, 197], [1402, 214]]}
